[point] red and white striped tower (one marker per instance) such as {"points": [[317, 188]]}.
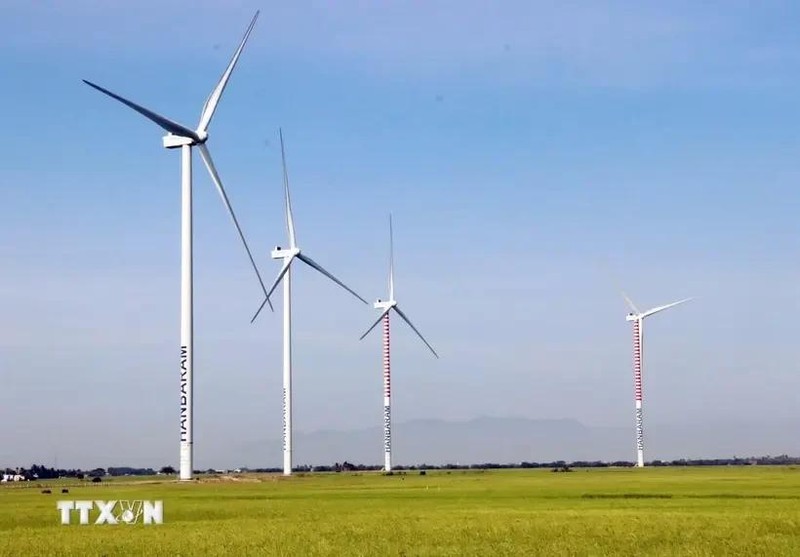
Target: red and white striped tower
{"points": [[387, 396], [386, 307], [637, 389], [637, 319]]}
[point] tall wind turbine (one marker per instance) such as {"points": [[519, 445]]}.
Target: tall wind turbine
{"points": [[386, 307], [288, 256], [637, 318], [179, 136]]}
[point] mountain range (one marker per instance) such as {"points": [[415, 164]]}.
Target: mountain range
{"points": [[514, 440]]}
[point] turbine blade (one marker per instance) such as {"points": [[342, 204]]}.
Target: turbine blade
{"points": [[286, 264], [288, 200], [165, 123], [630, 303], [216, 94], [311, 263], [391, 260], [406, 319], [259, 309], [662, 308], [206, 155], [376, 322]]}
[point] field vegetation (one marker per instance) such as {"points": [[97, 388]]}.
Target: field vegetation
{"points": [[735, 510]]}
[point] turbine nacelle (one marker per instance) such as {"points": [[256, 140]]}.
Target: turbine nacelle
{"points": [[172, 141], [636, 314], [280, 253], [384, 304]]}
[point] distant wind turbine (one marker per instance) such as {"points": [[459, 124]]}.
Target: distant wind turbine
{"points": [[185, 138], [637, 318], [386, 307], [285, 274]]}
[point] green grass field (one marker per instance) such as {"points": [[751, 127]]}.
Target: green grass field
{"points": [[656, 511]]}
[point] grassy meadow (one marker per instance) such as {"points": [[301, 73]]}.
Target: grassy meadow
{"points": [[655, 511]]}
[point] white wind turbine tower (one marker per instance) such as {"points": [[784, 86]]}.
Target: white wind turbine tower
{"points": [[637, 318], [386, 307], [285, 274], [179, 136]]}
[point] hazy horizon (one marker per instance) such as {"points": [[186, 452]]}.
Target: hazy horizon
{"points": [[483, 439]]}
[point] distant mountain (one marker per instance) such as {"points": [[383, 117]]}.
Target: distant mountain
{"points": [[507, 440], [442, 442]]}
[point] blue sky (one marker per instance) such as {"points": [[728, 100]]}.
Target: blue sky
{"points": [[535, 158]]}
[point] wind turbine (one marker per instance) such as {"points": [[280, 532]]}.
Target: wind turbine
{"points": [[386, 307], [637, 318], [179, 136], [288, 256]]}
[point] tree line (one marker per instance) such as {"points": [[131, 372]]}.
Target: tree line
{"points": [[39, 471]]}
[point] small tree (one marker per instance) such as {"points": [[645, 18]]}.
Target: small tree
{"points": [[167, 470]]}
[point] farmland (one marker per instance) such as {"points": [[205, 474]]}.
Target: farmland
{"points": [[749, 510]]}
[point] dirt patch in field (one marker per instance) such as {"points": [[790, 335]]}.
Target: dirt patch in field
{"points": [[228, 478]]}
